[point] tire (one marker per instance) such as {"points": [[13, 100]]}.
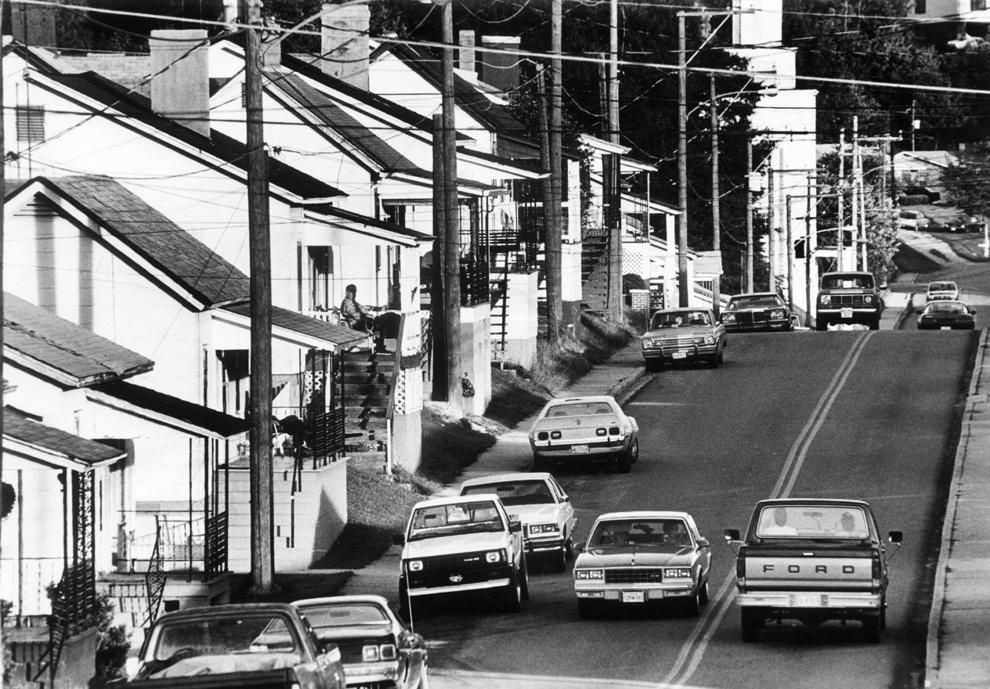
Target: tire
{"points": [[587, 609], [525, 578], [875, 323], [821, 324], [751, 623], [404, 607], [704, 593], [692, 606], [539, 464], [873, 628], [560, 559], [654, 365], [569, 548], [512, 594]]}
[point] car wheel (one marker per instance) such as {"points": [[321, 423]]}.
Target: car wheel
{"points": [[539, 464], [875, 323], [512, 594], [704, 594], [821, 324], [524, 579], [560, 560], [751, 623], [653, 365], [405, 610], [873, 628], [692, 606], [569, 549], [587, 609]]}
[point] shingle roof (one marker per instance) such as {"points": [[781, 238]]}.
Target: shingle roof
{"points": [[339, 335], [337, 118], [52, 440], [203, 272], [219, 145], [80, 355], [194, 414]]}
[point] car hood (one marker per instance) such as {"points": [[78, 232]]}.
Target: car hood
{"points": [[683, 331], [460, 543], [533, 514], [624, 557], [751, 309]]}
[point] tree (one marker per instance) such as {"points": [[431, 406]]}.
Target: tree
{"points": [[967, 181]]}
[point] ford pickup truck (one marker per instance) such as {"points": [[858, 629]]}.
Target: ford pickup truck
{"points": [[848, 298], [463, 544], [252, 645], [812, 560]]}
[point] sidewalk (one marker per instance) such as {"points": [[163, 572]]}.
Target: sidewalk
{"points": [[957, 651]]}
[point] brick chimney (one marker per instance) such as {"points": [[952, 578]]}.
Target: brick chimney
{"points": [[466, 54], [501, 69], [180, 88], [345, 42]]}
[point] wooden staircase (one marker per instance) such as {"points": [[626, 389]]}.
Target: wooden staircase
{"points": [[367, 381]]}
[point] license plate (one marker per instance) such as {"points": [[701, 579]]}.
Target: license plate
{"points": [[846, 313], [809, 601], [633, 597], [680, 355], [945, 327], [579, 449]]}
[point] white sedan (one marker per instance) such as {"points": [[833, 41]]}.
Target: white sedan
{"points": [[591, 429], [542, 506]]}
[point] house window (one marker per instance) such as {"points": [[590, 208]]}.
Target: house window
{"points": [[236, 370], [920, 6], [979, 5], [30, 124], [320, 277]]}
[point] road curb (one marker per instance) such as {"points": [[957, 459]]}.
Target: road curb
{"points": [[933, 640]]}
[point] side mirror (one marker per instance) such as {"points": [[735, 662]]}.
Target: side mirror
{"points": [[703, 543], [330, 650], [515, 526], [731, 535], [398, 539], [895, 537], [579, 547]]}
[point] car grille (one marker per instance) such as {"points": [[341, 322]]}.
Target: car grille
{"points": [[752, 317], [634, 575], [848, 300], [671, 344], [470, 568]]}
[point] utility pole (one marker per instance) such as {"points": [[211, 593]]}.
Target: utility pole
{"points": [[682, 196], [841, 242], [807, 251], [790, 255], [3, 195], [260, 408], [716, 199], [553, 225], [615, 202], [452, 235], [438, 311], [771, 241], [749, 218], [854, 212]]}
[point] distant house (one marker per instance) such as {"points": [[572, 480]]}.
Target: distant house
{"points": [[923, 169]]}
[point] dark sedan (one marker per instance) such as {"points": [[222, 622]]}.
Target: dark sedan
{"points": [[378, 649], [757, 311], [946, 315]]}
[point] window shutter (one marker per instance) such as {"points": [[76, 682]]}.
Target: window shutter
{"points": [[30, 123]]}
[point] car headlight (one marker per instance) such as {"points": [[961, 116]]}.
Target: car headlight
{"points": [[729, 318], [537, 529], [415, 565], [494, 556], [586, 574], [709, 339], [777, 315], [825, 299], [867, 298], [676, 573]]}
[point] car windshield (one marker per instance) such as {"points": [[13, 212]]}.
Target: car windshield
{"points": [[752, 302], [514, 492], [812, 521], [942, 287], [639, 532], [580, 409], [677, 319], [847, 282], [461, 517], [329, 615], [223, 644]]}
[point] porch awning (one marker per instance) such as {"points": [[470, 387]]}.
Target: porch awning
{"points": [[167, 410], [311, 328], [37, 442]]}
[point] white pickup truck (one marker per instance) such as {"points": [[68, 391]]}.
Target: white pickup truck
{"points": [[460, 545], [812, 560]]}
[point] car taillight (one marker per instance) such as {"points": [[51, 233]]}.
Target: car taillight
{"points": [[542, 435], [614, 430], [877, 566], [741, 568], [600, 431], [555, 435]]}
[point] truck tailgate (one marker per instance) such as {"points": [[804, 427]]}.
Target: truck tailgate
{"points": [[825, 572]]}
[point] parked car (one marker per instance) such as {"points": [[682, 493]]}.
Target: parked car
{"points": [[915, 194], [946, 315], [757, 311], [942, 290], [637, 558], [850, 297], [264, 645], [541, 504], [462, 544], [966, 223], [912, 220], [811, 560], [686, 335], [378, 649], [591, 429]]}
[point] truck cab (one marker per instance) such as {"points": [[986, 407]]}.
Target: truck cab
{"points": [[847, 298], [812, 560]]}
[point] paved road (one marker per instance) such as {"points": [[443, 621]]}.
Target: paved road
{"points": [[855, 414]]}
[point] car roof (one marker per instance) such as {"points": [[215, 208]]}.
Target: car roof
{"points": [[851, 502], [513, 476], [326, 600], [643, 514], [941, 283], [232, 609], [583, 398], [942, 303], [857, 273], [455, 499], [754, 294]]}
